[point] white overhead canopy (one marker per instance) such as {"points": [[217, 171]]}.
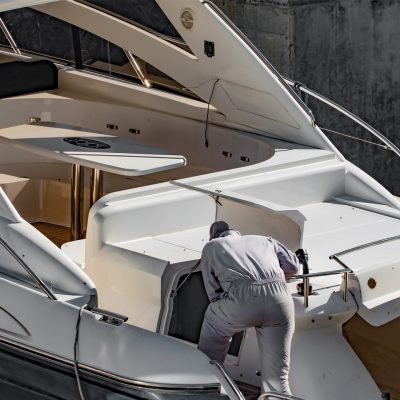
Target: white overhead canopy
{"points": [[6, 5], [234, 79]]}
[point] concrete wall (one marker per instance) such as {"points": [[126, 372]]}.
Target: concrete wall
{"points": [[347, 50]]}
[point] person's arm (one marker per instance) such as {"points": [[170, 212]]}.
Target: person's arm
{"points": [[211, 283], [288, 260]]}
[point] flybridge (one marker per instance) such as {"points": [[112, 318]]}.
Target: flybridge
{"points": [[222, 69]]}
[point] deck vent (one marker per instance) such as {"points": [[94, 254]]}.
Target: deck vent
{"points": [[227, 154], [113, 127], [134, 131], [87, 143], [245, 159]]}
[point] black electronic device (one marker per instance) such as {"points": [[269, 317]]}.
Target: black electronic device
{"points": [[303, 259]]}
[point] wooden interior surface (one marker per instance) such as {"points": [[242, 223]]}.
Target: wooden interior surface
{"points": [[379, 350], [56, 233]]}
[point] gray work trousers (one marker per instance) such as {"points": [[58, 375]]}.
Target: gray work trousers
{"points": [[269, 308]]}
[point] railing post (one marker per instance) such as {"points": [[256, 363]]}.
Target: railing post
{"points": [[346, 286], [306, 282]]}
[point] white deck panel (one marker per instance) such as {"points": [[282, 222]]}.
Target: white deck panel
{"points": [[331, 228], [193, 239], [161, 250], [174, 247]]}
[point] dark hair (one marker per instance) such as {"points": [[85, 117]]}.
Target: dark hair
{"points": [[217, 228]]}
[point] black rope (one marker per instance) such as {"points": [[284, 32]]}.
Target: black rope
{"points": [[208, 111], [78, 322]]}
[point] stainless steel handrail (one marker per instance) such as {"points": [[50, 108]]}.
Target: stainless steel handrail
{"points": [[306, 280], [347, 113], [343, 264], [277, 395], [39, 282], [9, 37], [136, 67], [233, 386], [366, 245]]}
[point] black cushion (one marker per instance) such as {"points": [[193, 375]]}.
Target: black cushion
{"points": [[21, 77]]}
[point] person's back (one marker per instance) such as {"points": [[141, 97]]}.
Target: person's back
{"points": [[255, 258], [244, 277]]}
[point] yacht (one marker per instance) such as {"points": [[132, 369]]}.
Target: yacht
{"points": [[133, 139]]}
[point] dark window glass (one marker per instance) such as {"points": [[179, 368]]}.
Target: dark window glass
{"points": [[189, 305], [146, 13], [99, 53], [3, 40], [39, 33]]}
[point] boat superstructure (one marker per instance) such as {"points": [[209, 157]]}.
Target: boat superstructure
{"points": [[255, 158]]}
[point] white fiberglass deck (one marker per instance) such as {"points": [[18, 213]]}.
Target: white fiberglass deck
{"points": [[175, 247], [331, 228]]}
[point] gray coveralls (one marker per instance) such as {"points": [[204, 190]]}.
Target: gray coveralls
{"points": [[244, 277]]}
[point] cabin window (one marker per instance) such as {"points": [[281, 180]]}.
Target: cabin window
{"points": [[145, 14], [187, 316], [43, 35], [40, 34], [3, 39]]}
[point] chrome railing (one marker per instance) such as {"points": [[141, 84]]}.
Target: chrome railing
{"points": [[306, 281], [35, 278], [137, 69], [231, 383], [346, 271], [345, 112], [363, 246], [9, 37], [277, 395]]}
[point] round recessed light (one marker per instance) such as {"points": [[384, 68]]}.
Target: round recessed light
{"points": [[187, 18]]}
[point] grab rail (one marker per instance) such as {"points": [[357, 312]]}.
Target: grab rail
{"points": [[364, 246], [345, 112], [345, 272], [9, 37], [39, 282], [276, 395], [238, 393], [306, 281]]}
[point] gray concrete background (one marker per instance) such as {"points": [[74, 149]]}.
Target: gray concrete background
{"points": [[347, 50]]}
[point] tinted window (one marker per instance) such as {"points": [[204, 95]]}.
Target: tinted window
{"points": [[189, 306], [146, 13], [97, 52], [3, 40], [39, 33]]}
